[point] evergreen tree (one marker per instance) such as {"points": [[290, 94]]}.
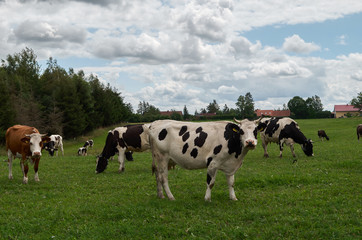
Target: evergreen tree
{"points": [[245, 106]]}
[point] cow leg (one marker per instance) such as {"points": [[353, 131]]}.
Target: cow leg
{"points": [[230, 180], [36, 167], [160, 164], [61, 148], [292, 149], [10, 163], [164, 175], [265, 146], [121, 160], [25, 169], [281, 149], [210, 180]]}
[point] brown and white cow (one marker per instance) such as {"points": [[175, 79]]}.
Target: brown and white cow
{"points": [[26, 143], [212, 145], [359, 131], [123, 140]]}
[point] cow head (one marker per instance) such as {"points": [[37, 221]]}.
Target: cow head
{"points": [[248, 132], [50, 147], [109, 150], [35, 141], [307, 147]]}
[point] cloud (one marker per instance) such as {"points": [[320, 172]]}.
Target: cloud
{"points": [[297, 45], [342, 40]]}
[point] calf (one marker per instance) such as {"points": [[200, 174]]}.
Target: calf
{"points": [[283, 131], [55, 143], [123, 140], [359, 131], [212, 145], [322, 134], [82, 151], [88, 144], [26, 143]]}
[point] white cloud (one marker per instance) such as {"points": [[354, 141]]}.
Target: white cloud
{"points": [[297, 45]]}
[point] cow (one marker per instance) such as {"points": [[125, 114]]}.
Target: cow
{"points": [[26, 143], [88, 144], [359, 131], [212, 145], [55, 143], [283, 131], [322, 134], [123, 140], [82, 151]]}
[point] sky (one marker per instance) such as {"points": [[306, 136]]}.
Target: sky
{"points": [[176, 53]]}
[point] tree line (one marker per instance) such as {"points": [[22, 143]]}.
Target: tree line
{"points": [[55, 101]]}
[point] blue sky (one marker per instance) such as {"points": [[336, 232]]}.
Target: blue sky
{"points": [[192, 52]]}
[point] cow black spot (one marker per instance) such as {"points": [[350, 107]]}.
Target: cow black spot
{"points": [[217, 149], [132, 136], [208, 179], [255, 133], [209, 161], [199, 129], [186, 136], [232, 136], [200, 140], [182, 130], [162, 134], [272, 127], [194, 153], [185, 147]]}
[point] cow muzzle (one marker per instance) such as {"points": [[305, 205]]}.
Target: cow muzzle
{"points": [[36, 154], [250, 144]]}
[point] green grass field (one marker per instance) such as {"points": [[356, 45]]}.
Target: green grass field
{"points": [[315, 198]]}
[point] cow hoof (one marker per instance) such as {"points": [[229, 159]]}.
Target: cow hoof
{"points": [[234, 199], [266, 155], [10, 177], [121, 170], [25, 181]]}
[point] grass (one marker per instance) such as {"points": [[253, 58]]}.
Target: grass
{"points": [[315, 198]]}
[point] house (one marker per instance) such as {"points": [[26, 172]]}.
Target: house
{"points": [[342, 111], [169, 113], [273, 113]]}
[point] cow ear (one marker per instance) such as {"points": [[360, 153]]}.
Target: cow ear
{"points": [[45, 139], [25, 139]]}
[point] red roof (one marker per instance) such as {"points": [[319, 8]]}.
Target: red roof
{"points": [[169, 113], [345, 108], [273, 113]]}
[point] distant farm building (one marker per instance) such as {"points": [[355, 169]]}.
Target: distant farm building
{"points": [[342, 111], [273, 113], [169, 113]]}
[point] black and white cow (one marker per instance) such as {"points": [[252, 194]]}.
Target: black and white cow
{"points": [[283, 131], [212, 145], [55, 143], [322, 134], [123, 140], [88, 144], [82, 151]]}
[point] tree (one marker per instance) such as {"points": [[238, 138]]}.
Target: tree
{"points": [[357, 101], [245, 106], [314, 106], [298, 107], [226, 109], [213, 107], [186, 113]]}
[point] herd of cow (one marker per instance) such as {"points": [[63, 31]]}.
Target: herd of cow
{"points": [[212, 145]]}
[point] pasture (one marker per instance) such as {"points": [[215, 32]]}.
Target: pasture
{"points": [[315, 198]]}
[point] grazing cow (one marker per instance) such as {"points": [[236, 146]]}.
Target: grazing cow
{"points": [[82, 151], [123, 140], [26, 143], [359, 131], [55, 143], [88, 144], [283, 130], [212, 145], [322, 134]]}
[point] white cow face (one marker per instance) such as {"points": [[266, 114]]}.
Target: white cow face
{"points": [[248, 130], [35, 141]]}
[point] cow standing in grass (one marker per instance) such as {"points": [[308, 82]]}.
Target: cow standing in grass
{"points": [[123, 140], [283, 131], [212, 145], [359, 131], [26, 143], [322, 134]]}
